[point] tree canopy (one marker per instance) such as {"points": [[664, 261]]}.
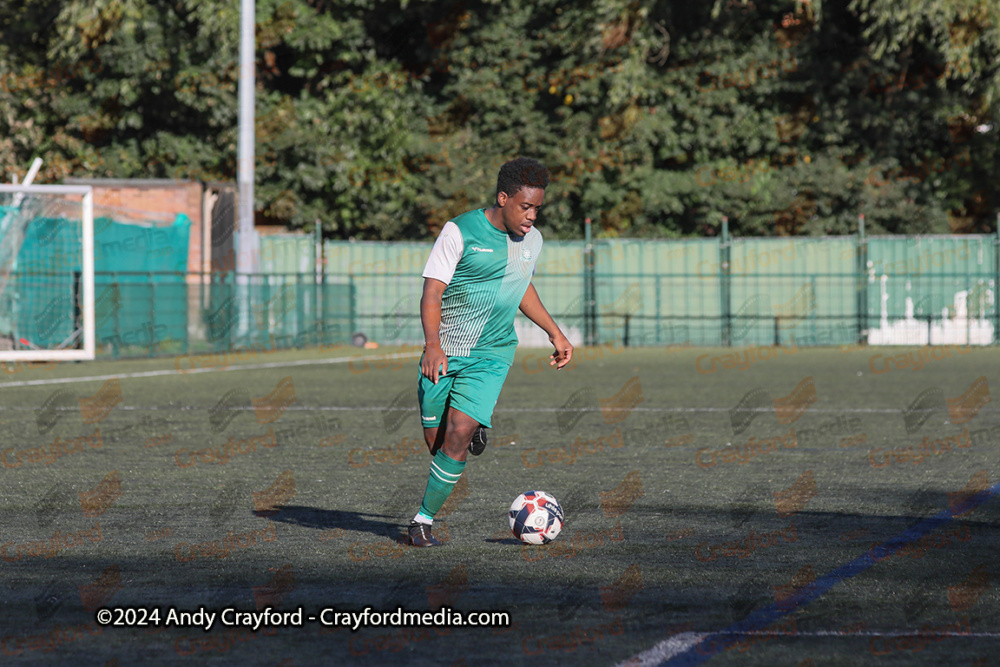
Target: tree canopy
{"points": [[382, 119]]}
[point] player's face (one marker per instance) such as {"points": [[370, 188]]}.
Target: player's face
{"points": [[520, 211]]}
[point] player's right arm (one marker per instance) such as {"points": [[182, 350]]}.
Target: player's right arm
{"points": [[438, 272], [430, 317]]}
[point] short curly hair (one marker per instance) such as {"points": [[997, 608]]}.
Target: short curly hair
{"points": [[520, 173]]}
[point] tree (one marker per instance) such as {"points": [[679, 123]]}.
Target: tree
{"points": [[382, 119]]}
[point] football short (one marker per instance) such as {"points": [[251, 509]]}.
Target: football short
{"points": [[472, 386]]}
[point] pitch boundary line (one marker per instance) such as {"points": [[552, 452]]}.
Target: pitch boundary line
{"points": [[695, 649], [869, 633], [683, 641], [372, 408], [193, 371], [363, 408]]}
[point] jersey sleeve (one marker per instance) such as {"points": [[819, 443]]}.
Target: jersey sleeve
{"points": [[445, 254]]}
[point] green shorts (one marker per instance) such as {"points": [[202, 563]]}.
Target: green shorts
{"points": [[472, 386]]}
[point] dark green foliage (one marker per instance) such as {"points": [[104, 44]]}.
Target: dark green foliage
{"points": [[382, 120]]}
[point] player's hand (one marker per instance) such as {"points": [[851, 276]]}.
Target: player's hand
{"points": [[433, 361], [563, 353]]}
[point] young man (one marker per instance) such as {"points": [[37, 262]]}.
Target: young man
{"points": [[477, 276]]}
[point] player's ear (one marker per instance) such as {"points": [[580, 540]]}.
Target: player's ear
{"points": [[501, 198]]}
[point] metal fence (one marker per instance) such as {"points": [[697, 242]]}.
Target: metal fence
{"points": [[937, 290], [924, 290], [155, 314]]}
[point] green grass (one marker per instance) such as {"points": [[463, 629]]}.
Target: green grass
{"points": [[335, 539]]}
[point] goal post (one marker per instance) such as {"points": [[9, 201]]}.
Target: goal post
{"points": [[46, 273]]}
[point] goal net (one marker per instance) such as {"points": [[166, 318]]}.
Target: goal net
{"points": [[46, 273]]}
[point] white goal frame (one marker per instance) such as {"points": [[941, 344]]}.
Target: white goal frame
{"points": [[86, 277]]}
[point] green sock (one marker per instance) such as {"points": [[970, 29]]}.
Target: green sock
{"points": [[443, 475]]}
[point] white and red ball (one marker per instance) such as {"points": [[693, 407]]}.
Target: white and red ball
{"points": [[535, 517]]}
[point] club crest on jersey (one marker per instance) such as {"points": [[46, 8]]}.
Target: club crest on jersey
{"points": [[526, 254]]}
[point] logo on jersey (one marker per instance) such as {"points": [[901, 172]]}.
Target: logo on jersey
{"points": [[526, 253], [478, 249]]}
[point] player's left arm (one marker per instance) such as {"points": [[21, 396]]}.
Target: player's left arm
{"points": [[531, 306]]}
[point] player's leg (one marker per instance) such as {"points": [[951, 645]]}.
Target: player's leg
{"points": [[431, 438], [476, 385], [457, 434], [450, 445], [434, 438], [433, 402], [446, 469], [476, 395], [434, 435]]}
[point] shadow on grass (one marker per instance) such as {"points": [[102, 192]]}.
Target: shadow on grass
{"points": [[326, 519]]}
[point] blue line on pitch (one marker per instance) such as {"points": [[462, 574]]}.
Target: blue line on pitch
{"points": [[718, 642]]}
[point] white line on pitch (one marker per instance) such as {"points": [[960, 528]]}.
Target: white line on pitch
{"points": [[679, 643], [664, 651], [310, 408], [244, 367], [842, 633]]}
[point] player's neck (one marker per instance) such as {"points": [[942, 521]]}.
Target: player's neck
{"points": [[493, 216]]}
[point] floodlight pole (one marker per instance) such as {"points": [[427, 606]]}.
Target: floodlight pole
{"points": [[245, 157]]}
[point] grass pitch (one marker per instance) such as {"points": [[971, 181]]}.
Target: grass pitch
{"points": [[722, 506]]}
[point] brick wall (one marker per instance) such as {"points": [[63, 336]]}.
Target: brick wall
{"points": [[155, 199]]}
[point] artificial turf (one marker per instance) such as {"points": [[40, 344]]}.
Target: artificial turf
{"points": [[699, 489]]}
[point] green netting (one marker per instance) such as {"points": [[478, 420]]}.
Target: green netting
{"points": [[139, 273], [43, 289]]}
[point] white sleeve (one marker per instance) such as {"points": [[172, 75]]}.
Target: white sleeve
{"points": [[445, 254]]}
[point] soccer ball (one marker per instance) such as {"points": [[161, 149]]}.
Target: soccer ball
{"points": [[535, 517]]}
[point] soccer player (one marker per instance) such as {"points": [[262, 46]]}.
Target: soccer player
{"points": [[477, 276]]}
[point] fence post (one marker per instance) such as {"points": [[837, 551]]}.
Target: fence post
{"points": [[658, 310], [996, 282], [352, 308], [724, 256], [301, 332], [115, 352], [186, 341], [318, 296], [229, 313], [152, 314], [264, 307], [589, 288], [812, 311], [861, 271], [77, 311]]}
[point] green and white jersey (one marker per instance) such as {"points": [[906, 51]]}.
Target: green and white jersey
{"points": [[487, 272]]}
